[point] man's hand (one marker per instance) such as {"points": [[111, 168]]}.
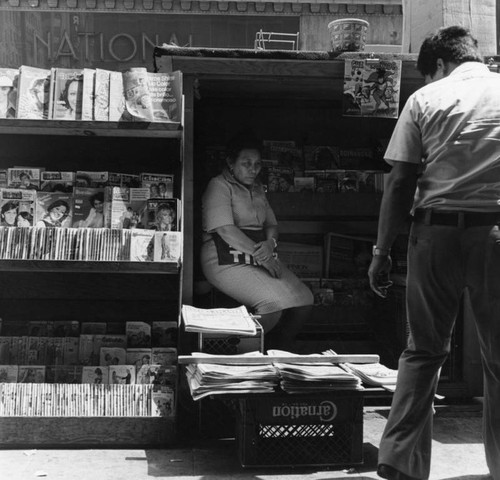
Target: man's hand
{"points": [[378, 274]]}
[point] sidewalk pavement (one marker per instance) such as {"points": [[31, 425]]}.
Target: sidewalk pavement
{"points": [[458, 454]]}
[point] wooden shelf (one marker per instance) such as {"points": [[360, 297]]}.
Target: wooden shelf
{"points": [[90, 129], [47, 432], [88, 266]]}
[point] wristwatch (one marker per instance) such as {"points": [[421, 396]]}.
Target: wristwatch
{"points": [[383, 252]]}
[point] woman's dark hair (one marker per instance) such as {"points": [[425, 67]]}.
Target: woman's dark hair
{"points": [[97, 196], [452, 44], [9, 206], [59, 203], [64, 93], [242, 141]]}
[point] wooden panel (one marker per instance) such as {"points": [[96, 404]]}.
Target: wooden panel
{"points": [[16, 432]]}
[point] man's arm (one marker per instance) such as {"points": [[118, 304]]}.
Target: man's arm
{"points": [[394, 210]]}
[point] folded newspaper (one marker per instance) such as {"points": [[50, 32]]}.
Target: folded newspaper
{"points": [[374, 374], [236, 321]]}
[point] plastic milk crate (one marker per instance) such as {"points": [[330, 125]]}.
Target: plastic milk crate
{"points": [[216, 415], [300, 430]]}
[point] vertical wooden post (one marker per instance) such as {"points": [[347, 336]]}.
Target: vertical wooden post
{"points": [[421, 17]]}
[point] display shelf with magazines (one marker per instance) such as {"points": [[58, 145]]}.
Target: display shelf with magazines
{"points": [[79, 269]]}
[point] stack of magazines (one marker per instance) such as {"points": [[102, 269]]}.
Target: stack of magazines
{"points": [[307, 377], [231, 321], [373, 374], [206, 379]]}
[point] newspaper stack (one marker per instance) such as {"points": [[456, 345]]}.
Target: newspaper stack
{"points": [[306, 377], [206, 379], [231, 321], [374, 374]]}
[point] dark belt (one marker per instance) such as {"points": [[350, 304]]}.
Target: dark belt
{"points": [[427, 216]]}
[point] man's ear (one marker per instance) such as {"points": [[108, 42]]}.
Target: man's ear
{"points": [[440, 65]]}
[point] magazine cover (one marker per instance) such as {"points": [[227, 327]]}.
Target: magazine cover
{"points": [[67, 85], [303, 184], [108, 340], [166, 96], [17, 207], [31, 374], [112, 356], [8, 373], [163, 215], [89, 179], [68, 374], [124, 180], [279, 179], [117, 111], [8, 92], [161, 185], [88, 207], [101, 95], [164, 355], [53, 209], [88, 94], [57, 181], [371, 88], [285, 153], [163, 376], [33, 93], [164, 334], [321, 157], [138, 334], [137, 97], [96, 375], [122, 374], [168, 247], [138, 357], [129, 207], [26, 178], [162, 403], [142, 244]]}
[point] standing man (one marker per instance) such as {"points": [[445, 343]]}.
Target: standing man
{"points": [[445, 157]]}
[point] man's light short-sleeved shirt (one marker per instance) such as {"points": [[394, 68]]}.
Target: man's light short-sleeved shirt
{"points": [[228, 202], [451, 128]]}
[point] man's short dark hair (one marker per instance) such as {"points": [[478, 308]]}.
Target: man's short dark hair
{"points": [[452, 44]]}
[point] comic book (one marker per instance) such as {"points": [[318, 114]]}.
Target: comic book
{"points": [[51, 181], [164, 333], [162, 403], [122, 374], [112, 356], [31, 374], [117, 111], [138, 334], [166, 96], [285, 153], [321, 157], [9, 79], [33, 93], [138, 357], [8, 373], [67, 87], [95, 374], [168, 247], [142, 245], [91, 179], [279, 179], [164, 355], [371, 88], [53, 209]]}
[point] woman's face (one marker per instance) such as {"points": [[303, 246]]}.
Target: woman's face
{"points": [[166, 216], [73, 95], [10, 216], [57, 213], [247, 166], [23, 222]]}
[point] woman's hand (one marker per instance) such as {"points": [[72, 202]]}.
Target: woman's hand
{"points": [[272, 265], [264, 251]]}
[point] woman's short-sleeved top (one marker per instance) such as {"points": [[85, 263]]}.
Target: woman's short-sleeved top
{"points": [[228, 202]]}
